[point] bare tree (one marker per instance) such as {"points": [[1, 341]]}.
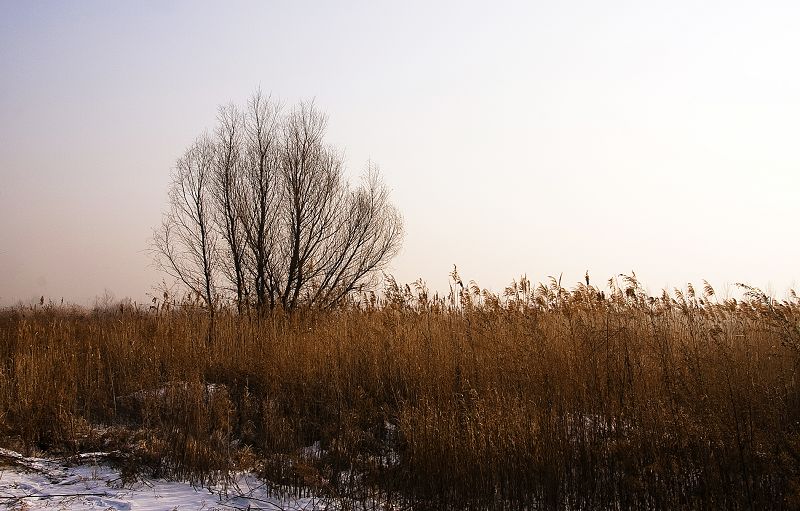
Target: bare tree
{"points": [[260, 196], [295, 232], [313, 184], [368, 234], [226, 188], [186, 242]]}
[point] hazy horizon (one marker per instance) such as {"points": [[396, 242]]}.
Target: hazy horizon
{"points": [[525, 138]]}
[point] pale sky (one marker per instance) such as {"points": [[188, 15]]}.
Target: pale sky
{"points": [[520, 137]]}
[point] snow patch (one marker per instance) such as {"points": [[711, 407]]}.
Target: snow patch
{"points": [[82, 482]]}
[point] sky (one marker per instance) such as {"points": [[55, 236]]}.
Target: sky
{"points": [[537, 138]]}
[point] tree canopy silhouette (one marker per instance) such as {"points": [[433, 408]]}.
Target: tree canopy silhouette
{"points": [[260, 213]]}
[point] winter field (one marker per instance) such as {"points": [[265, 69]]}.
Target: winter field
{"points": [[543, 397]]}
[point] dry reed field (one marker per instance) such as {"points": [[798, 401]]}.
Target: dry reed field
{"points": [[542, 398]]}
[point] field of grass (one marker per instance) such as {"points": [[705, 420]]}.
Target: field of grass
{"points": [[541, 398]]}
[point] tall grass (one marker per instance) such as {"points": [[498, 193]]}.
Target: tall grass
{"points": [[541, 398]]}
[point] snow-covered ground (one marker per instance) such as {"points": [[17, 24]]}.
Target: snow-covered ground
{"points": [[86, 482]]}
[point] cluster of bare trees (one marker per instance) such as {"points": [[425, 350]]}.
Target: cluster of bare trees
{"points": [[261, 213]]}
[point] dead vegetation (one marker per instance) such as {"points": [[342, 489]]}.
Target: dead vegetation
{"points": [[546, 397]]}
